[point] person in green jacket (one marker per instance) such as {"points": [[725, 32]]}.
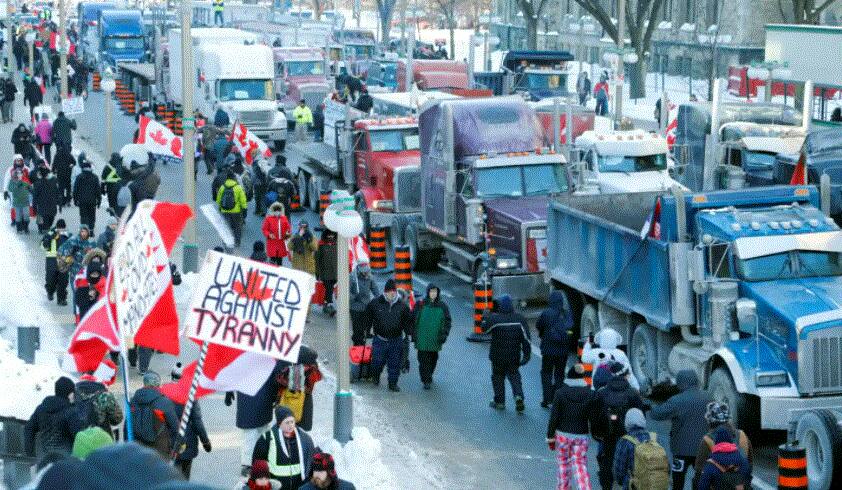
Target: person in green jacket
{"points": [[303, 119], [432, 325], [19, 190], [232, 202], [89, 440]]}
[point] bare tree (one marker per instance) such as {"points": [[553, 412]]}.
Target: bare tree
{"points": [[532, 10], [803, 11], [641, 20], [447, 8], [386, 8], [474, 9]]}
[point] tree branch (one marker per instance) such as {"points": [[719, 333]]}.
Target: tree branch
{"points": [[596, 10]]}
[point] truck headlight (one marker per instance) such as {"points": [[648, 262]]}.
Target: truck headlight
{"points": [[384, 204], [771, 378], [505, 263]]}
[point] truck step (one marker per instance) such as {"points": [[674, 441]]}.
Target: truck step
{"points": [[456, 272]]}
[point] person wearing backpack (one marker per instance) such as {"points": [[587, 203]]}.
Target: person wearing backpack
{"points": [[154, 419], [95, 406], [718, 415], [231, 200], [686, 411], [552, 327], [726, 468], [640, 463]]}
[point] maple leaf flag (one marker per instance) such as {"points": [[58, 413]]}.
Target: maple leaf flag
{"points": [[245, 141], [672, 125], [158, 139], [96, 333]]}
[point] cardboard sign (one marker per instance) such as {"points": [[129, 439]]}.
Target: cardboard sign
{"points": [[250, 306], [73, 106]]}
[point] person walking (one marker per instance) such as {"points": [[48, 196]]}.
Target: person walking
{"points": [[188, 446], [63, 164], [726, 467], [362, 291], [432, 326], [86, 194], [260, 183], [47, 430], [389, 318], [154, 418], [19, 192], [324, 475], [46, 199], [288, 450], [276, 229], [73, 251], [718, 416], [326, 266], [111, 180], [600, 92], [553, 325], [63, 132], [510, 349], [301, 376], [231, 200], [55, 281], [218, 10], [32, 95], [22, 140], [89, 440], [7, 102], [95, 406], [44, 136], [303, 119], [303, 246], [567, 432], [583, 87], [650, 472], [686, 411]]}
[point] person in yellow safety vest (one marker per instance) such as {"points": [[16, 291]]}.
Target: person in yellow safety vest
{"points": [[218, 7], [232, 203], [288, 449], [111, 180], [303, 119], [55, 281]]}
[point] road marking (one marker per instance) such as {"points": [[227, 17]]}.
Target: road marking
{"points": [[756, 482]]}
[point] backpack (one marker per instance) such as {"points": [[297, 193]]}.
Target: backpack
{"points": [[148, 423], [615, 424], [742, 442], [730, 477], [651, 469], [228, 202]]}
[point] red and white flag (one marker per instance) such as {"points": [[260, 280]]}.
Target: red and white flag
{"points": [[799, 176], [96, 334], [672, 125], [157, 138], [245, 141], [358, 252]]}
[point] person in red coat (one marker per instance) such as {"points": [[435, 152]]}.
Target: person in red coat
{"points": [[276, 229]]}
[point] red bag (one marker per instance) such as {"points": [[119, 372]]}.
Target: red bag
{"points": [[319, 296], [31, 211], [360, 354]]}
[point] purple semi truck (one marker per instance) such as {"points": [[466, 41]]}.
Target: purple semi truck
{"points": [[300, 73]]}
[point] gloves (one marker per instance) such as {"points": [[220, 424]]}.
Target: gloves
{"points": [[551, 444], [207, 446], [229, 398]]}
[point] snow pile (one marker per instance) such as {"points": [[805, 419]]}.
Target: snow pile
{"points": [[24, 385], [360, 460]]}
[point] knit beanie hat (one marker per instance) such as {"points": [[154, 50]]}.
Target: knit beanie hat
{"points": [[390, 286], [324, 462], [260, 469], [281, 413], [89, 440], [717, 413], [64, 387], [635, 418]]}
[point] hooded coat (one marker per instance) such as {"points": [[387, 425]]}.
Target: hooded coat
{"points": [[45, 196], [161, 404], [725, 454], [553, 325], [618, 396], [571, 408], [686, 410], [49, 430], [276, 229], [624, 452], [326, 257], [509, 334], [432, 322], [21, 139], [63, 163], [86, 191], [63, 130], [303, 252], [362, 289]]}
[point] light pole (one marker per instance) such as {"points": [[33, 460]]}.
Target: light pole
{"points": [[108, 85], [190, 256], [30, 41], [475, 42], [585, 25], [62, 47], [341, 217], [621, 44]]}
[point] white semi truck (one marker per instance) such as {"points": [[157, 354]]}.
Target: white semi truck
{"points": [[232, 73]]}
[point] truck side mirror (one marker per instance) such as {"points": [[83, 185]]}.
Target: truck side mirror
{"points": [[747, 316]]}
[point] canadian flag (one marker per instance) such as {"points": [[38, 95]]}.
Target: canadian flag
{"points": [[157, 138], [652, 226], [358, 252], [96, 334], [799, 176], [246, 142], [672, 125]]}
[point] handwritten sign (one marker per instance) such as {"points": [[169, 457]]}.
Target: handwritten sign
{"points": [[250, 306], [73, 106]]}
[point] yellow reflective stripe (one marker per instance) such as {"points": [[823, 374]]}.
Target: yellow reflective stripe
{"points": [[112, 177], [52, 251], [281, 470]]}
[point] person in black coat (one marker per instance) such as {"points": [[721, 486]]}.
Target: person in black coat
{"points": [[22, 140], [55, 281], [567, 429], [510, 349], [552, 327], [365, 102], [46, 199], [7, 102], [84, 297], [86, 194], [63, 163], [389, 318], [32, 95], [63, 131], [166, 430], [47, 430], [195, 432]]}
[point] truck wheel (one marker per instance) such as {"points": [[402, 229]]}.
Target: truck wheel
{"points": [[590, 321], [644, 355], [302, 179], [721, 387], [819, 433]]}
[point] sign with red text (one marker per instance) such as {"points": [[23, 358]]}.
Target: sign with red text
{"points": [[251, 306]]}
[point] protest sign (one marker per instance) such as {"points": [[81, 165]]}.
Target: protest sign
{"points": [[250, 305], [73, 106]]}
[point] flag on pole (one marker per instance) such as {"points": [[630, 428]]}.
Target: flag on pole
{"points": [[357, 252], [245, 141], [96, 334], [158, 139], [672, 125], [799, 176]]}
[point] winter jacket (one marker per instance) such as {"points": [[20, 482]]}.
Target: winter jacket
{"points": [[32, 95], [166, 414], [256, 411], [44, 131], [63, 130], [601, 87], [553, 325], [432, 323], [195, 432], [617, 396], [47, 429], [326, 260], [362, 290], [337, 484], [9, 91], [686, 410], [21, 139], [76, 248], [216, 184], [45, 196], [240, 202], [63, 163], [571, 409], [95, 406], [706, 445], [302, 115], [105, 240], [274, 437], [144, 184], [19, 190], [221, 147], [86, 191], [276, 229], [509, 334], [388, 320], [624, 456], [305, 258], [725, 454]]}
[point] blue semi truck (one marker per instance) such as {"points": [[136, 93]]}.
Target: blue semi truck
{"points": [[119, 37], [743, 286]]}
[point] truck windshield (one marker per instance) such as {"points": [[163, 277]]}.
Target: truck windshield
{"points": [[394, 140], [303, 68], [245, 90], [755, 159], [612, 163], [790, 265], [541, 80], [115, 43], [358, 51], [516, 181]]}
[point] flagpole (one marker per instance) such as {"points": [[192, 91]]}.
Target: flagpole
{"points": [[124, 365], [188, 407]]}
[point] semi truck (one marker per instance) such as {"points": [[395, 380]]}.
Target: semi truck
{"points": [[443, 75], [87, 14], [300, 74], [534, 75], [821, 154], [118, 38], [742, 286], [485, 184], [224, 80]]}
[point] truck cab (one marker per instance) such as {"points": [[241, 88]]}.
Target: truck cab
{"points": [[538, 74], [121, 37], [622, 161], [300, 73], [359, 44], [754, 148], [821, 154]]}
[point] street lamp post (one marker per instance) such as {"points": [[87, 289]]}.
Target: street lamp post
{"points": [[30, 41], [108, 85], [62, 47], [190, 257], [621, 41], [347, 223]]}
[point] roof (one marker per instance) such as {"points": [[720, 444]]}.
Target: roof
{"points": [[298, 53], [741, 129], [791, 219], [773, 144], [386, 123], [230, 61], [631, 143], [514, 58]]}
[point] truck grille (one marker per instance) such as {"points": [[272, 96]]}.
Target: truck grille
{"points": [[820, 362], [256, 118], [408, 190]]}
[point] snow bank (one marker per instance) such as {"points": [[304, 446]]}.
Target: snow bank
{"points": [[360, 461], [23, 385]]}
